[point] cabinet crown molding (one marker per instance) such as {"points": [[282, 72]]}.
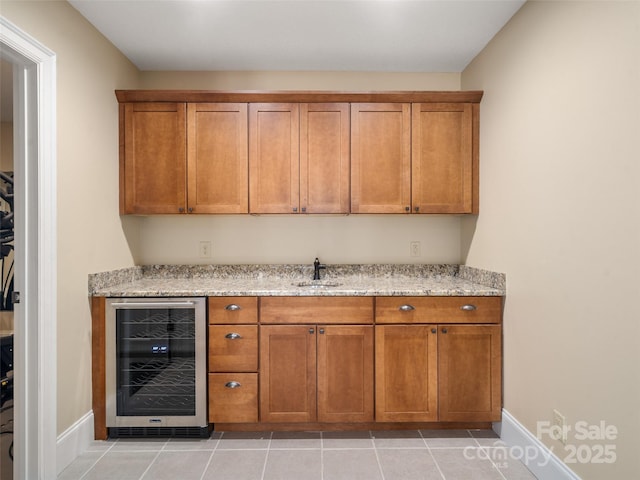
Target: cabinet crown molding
{"points": [[301, 96]]}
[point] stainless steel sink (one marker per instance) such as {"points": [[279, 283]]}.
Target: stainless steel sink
{"points": [[316, 284]]}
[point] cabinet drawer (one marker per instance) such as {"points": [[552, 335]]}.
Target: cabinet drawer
{"points": [[317, 310], [238, 310], [233, 348], [438, 309], [233, 397]]}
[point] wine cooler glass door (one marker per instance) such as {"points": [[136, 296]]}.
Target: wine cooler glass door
{"points": [[155, 362], [158, 367]]}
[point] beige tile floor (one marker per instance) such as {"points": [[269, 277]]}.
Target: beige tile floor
{"points": [[375, 455]]}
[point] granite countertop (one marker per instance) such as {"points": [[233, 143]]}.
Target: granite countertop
{"points": [[283, 280]]}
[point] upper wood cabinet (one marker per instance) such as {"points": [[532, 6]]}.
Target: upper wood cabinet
{"points": [[418, 158], [274, 158], [217, 158], [380, 158], [299, 152], [299, 158], [152, 158], [324, 157], [443, 158], [179, 158]]}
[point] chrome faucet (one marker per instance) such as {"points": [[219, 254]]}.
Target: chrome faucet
{"points": [[316, 268]]}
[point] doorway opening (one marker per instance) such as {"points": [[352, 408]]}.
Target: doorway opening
{"points": [[34, 252], [7, 261]]}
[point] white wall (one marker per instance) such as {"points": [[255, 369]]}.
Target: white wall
{"points": [[560, 215], [282, 239]]}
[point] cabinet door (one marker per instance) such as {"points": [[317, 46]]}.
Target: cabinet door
{"points": [[442, 158], [217, 158], [288, 373], [153, 158], [274, 158], [380, 158], [470, 359], [324, 158], [406, 373], [345, 373]]}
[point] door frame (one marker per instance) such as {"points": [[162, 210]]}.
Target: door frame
{"points": [[35, 324]]}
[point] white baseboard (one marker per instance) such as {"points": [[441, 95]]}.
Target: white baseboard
{"points": [[538, 458], [74, 441]]}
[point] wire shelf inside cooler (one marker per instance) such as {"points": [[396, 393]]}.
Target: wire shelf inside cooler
{"points": [[137, 331]]}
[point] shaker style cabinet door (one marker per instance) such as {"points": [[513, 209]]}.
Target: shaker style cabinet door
{"points": [[324, 158], [380, 158], [217, 158], [406, 373], [470, 369], [274, 158], [152, 158], [345, 373], [443, 158], [287, 373]]}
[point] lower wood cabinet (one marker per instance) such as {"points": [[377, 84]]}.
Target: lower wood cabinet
{"points": [[315, 373], [355, 361], [233, 359], [446, 373], [233, 397], [406, 373], [469, 373]]}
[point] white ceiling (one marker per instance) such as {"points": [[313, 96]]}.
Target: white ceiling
{"points": [[308, 35]]}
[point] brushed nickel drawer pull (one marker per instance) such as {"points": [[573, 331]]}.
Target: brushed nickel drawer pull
{"points": [[232, 384], [406, 308], [232, 307], [233, 336], [468, 307]]}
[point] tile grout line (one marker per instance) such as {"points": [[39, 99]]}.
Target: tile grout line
{"points": [[206, 467], [96, 462], [154, 459], [493, 464], [375, 452], [321, 455], [266, 457], [435, 462]]}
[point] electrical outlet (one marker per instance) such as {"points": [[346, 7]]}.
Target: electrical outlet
{"points": [[204, 250], [414, 248], [560, 421]]}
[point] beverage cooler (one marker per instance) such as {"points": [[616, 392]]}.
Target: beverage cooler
{"points": [[156, 367]]}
